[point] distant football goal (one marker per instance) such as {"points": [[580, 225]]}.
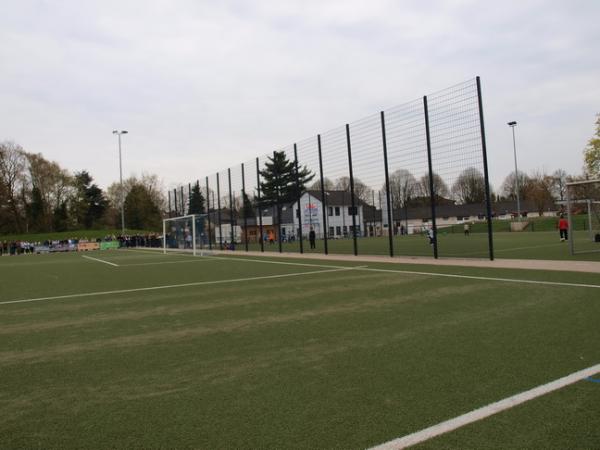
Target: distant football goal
{"points": [[583, 198], [186, 233]]}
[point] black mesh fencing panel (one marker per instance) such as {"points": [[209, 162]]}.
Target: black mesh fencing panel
{"points": [[409, 181]]}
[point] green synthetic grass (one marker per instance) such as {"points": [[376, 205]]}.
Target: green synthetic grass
{"points": [[539, 245], [344, 359]]}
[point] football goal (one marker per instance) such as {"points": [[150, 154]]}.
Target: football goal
{"points": [[583, 205], [185, 233]]}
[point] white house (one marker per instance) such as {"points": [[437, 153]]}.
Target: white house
{"points": [[338, 215]]}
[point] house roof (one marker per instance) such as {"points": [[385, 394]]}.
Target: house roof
{"points": [[336, 198]]}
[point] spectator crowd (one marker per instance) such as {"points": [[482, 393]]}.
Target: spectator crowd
{"points": [[18, 247]]}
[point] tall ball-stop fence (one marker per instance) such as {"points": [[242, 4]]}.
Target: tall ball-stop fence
{"points": [[398, 182]]}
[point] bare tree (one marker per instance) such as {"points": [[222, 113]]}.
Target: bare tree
{"points": [[327, 184], [403, 188], [508, 188], [361, 190], [440, 188], [539, 190], [559, 184], [12, 167], [469, 187]]}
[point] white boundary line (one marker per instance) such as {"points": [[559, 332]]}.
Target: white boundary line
{"points": [[99, 260], [164, 262], [486, 411], [433, 274], [173, 286], [474, 277]]}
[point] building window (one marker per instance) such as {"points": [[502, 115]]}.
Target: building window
{"points": [[337, 210], [331, 233], [345, 230], [330, 211], [352, 211], [338, 230]]}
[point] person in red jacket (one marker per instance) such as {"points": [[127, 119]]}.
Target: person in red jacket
{"points": [[563, 228]]}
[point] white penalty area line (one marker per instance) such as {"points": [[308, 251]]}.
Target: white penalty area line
{"points": [[100, 260], [432, 274], [486, 411], [174, 286]]}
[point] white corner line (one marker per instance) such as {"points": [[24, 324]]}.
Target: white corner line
{"points": [[486, 411], [100, 260], [173, 286]]}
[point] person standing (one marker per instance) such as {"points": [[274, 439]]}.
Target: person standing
{"points": [[467, 229], [563, 228], [312, 236]]}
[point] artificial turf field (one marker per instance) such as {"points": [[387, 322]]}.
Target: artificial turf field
{"points": [[172, 351], [525, 245]]}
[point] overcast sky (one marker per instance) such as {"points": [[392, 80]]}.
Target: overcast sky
{"points": [[202, 86]]}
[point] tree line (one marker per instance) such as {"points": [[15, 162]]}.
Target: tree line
{"points": [[38, 195]]}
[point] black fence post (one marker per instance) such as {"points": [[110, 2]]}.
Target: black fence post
{"points": [[244, 196], [431, 186], [323, 197], [176, 205], [219, 213], [208, 215], [259, 207], [277, 207], [352, 201], [488, 205], [169, 196], [182, 201], [231, 218], [299, 196], [387, 187], [189, 196]]}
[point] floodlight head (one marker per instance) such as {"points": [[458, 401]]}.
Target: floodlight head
{"points": [[125, 131], [512, 124], [115, 132]]}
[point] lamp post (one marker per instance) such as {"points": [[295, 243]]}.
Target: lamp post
{"points": [[512, 125], [119, 133]]}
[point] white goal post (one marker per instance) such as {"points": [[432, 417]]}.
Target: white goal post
{"points": [[584, 196], [185, 234]]}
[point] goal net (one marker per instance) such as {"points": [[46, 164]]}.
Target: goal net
{"points": [[186, 234], [583, 208]]}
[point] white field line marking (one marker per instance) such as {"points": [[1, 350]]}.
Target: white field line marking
{"points": [[486, 411], [173, 286], [99, 260], [164, 262], [285, 263], [433, 274], [473, 277]]}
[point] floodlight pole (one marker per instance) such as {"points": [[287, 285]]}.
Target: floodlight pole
{"points": [[119, 133], [512, 125]]}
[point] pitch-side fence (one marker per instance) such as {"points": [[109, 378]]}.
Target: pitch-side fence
{"points": [[392, 183]]}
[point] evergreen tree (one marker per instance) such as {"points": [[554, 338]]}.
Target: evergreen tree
{"points": [[196, 201], [278, 185], [60, 218], [35, 210], [248, 206], [141, 211], [89, 203]]}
